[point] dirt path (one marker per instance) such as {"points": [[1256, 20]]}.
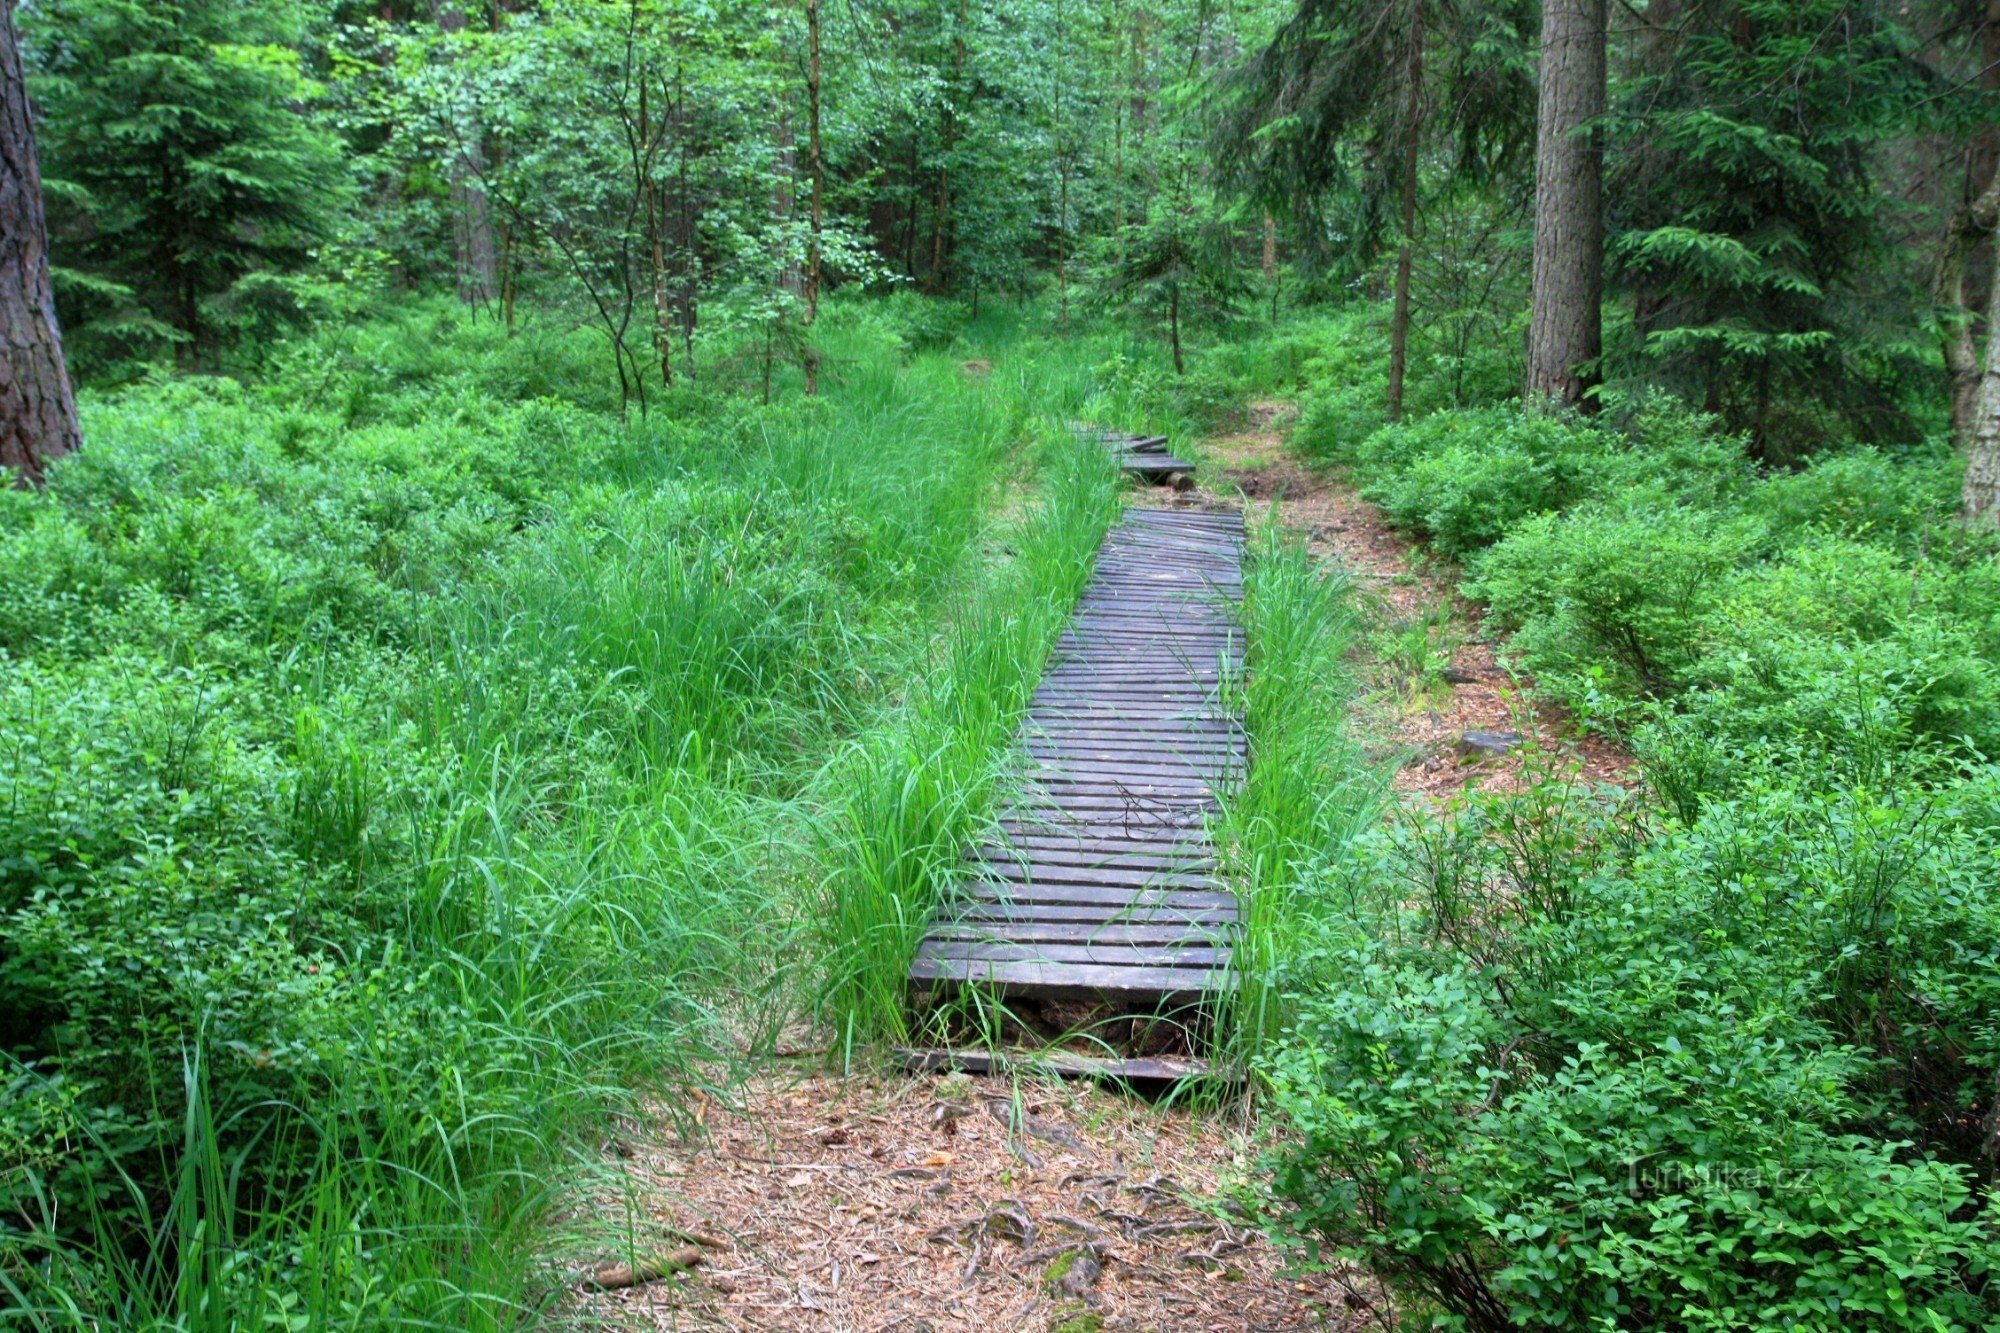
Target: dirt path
{"points": [[960, 1203], [1435, 678]]}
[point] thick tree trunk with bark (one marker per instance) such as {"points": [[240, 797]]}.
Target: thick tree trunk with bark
{"points": [[1982, 445], [1413, 106], [1565, 320], [37, 407]]}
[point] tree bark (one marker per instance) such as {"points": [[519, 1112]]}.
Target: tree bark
{"points": [[1982, 444], [1968, 227], [37, 406], [1565, 320], [810, 354], [1271, 263], [471, 213], [1413, 105]]}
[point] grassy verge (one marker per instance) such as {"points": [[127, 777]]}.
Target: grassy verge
{"points": [[902, 803], [1309, 792]]}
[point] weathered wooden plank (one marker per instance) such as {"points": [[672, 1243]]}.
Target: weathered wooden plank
{"points": [[1090, 913], [1047, 875], [1064, 1064], [1103, 895], [1085, 932], [1059, 851], [1102, 955], [1072, 980]]}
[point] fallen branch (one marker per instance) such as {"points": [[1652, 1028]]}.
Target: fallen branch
{"points": [[614, 1277]]}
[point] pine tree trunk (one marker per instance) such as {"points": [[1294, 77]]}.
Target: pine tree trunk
{"points": [[37, 407], [1413, 103], [1565, 320], [1982, 445], [817, 165]]}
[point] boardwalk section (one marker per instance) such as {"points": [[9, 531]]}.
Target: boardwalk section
{"points": [[1101, 881], [1143, 456]]}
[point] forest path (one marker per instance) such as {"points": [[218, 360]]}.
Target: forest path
{"points": [[1434, 676], [882, 1202], [896, 1201]]}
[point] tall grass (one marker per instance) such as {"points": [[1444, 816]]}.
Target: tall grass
{"points": [[902, 803], [1309, 790], [406, 777]]}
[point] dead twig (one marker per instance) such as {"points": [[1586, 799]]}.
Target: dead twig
{"points": [[613, 1277]]}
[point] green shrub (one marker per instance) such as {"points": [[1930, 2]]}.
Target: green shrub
{"points": [[1859, 494], [1714, 1078], [1623, 588]]}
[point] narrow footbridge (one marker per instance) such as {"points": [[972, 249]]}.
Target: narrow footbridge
{"points": [[1101, 881]]}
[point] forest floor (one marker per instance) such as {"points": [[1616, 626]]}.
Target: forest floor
{"points": [[885, 1201], [891, 1202]]}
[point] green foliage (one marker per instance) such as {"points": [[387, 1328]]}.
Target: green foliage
{"points": [[1542, 1099], [1623, 588], [1754, 233], [1310, 794], [189, 180], [1523, 1085], [401, 758]]}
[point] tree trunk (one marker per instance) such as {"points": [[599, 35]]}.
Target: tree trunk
{"points": [[784, 205], [1174, 325], [1565, 319], [1062, 243], [810, 354], [1968, 226], [1271, 263], [1413, 106], [37, 407], [1982, 445], [941, 211], [478, 258]]}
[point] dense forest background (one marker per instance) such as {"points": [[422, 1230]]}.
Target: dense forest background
{"points": [[508, 613], [1790, 199]]}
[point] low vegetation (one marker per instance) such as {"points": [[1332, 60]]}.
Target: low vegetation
{"points": [[1717, 1053], [409, 763]]}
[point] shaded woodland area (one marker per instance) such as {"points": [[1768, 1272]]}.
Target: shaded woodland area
{"points": [[536, 520]]}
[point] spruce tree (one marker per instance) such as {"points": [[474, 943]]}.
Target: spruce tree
{"points": [[180, 160]]}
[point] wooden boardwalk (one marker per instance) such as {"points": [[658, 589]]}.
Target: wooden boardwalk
{"points": [[1101, 880], [1144, 456]]}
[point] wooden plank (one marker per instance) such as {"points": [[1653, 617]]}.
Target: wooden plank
{"points": [[1064, 1064], [1054, 852], [1045, 875], [1100, 955], [1085, 932], [1072, 980], [1101, 895], [974, 913]]}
